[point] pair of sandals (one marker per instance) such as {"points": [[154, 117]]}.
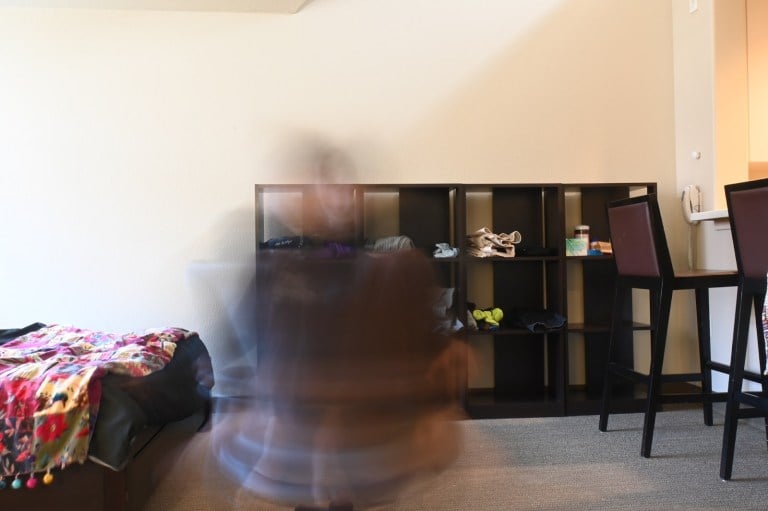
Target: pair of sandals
{"points": [[484, 243]]}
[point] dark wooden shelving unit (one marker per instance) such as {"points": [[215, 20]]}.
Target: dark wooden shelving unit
{"points": [[528, 367], [597, 290], [531, 370]]}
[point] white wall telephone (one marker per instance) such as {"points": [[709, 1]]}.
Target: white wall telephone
{"points": [[691, 202]]}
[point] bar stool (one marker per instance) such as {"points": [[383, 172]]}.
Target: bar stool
{"points": [[748, 213], [643, 262]]}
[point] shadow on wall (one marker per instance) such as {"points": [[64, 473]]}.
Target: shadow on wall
{"points": [[217, 284]]}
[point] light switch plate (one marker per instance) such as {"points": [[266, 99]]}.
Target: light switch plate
{"points": [[693, 5]]}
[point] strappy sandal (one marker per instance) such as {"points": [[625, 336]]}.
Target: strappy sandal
{"points": [[511, 239], [484, 243], [481, 237], [480, 252], [505, 251]]}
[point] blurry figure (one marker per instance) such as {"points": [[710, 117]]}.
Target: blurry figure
{"points": [[351, 391]]}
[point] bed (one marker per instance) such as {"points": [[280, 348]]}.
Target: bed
{"points": [[81, 412]]}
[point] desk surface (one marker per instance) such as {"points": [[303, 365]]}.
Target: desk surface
{"points": [[715, 214]]}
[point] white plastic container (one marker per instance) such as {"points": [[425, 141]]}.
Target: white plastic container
{"points": [[581, 232]]}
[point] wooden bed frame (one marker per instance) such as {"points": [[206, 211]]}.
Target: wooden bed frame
{"points": [[93, 487]]}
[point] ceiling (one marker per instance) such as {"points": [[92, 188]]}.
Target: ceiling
{"points": [[275, 6]]}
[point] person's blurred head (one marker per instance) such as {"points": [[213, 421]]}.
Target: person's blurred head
{"points": [[328, 201]]}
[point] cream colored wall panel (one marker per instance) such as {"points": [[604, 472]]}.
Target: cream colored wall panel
{"points": [[277, 6], [757, 54], [138, 135]]}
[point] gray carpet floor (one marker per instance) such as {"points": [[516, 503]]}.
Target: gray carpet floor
{"points": [[534, 464]]}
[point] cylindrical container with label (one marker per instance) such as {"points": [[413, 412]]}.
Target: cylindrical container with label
{"points": [[581, 231]]}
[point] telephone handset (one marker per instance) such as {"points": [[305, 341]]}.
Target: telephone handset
{"points": [[691, 202]]}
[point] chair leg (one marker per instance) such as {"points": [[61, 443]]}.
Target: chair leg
{"points": [[605, 405], [735, 382], [620, 294], [758, 311], [661, 301], [702, 320]]}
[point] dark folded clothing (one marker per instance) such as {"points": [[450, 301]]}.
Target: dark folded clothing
{"points": [[536, 320], [8, 334], [283, 242]]}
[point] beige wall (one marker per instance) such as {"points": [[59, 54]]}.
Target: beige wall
{"points": [[757, 51], [131, 140], [731, 96], [715, 52]]}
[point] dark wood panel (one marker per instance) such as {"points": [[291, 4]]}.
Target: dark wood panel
{"points": [[519, 366], [426, 216], [519, 209], [518, 284]]}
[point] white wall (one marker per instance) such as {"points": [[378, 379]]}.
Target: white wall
{"points": [[130, 141]]}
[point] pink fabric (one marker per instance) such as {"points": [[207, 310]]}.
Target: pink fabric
{"points": [[50, 387]]}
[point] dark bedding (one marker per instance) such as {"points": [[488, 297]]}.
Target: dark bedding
{"points": [[129, 404]]}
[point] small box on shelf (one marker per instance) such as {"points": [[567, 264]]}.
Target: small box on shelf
{"points": [[576, 246]]}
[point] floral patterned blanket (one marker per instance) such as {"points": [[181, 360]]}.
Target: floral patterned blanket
{"points": [[50, 387]]}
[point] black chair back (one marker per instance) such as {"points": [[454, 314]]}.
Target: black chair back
{"points": [[748, 213], [637, 238]]}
